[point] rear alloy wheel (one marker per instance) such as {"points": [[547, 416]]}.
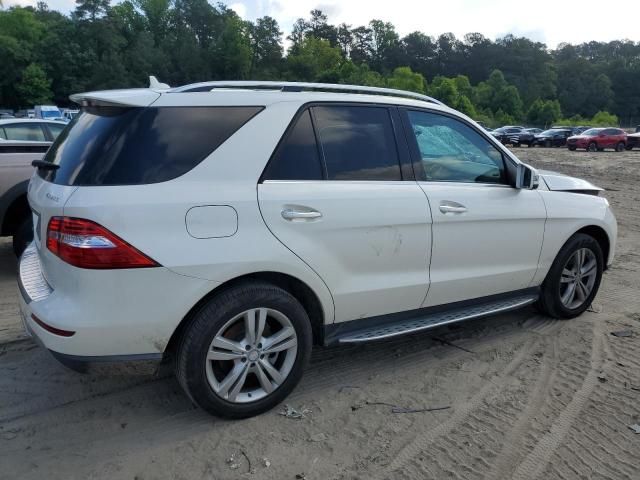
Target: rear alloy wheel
{"points": [[574, 278], [620, 147], [593, 147], [244, 351]]}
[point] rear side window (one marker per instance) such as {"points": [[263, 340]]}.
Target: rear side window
{"points": [[133, 146], [297, 156], [23, 131], [357, 142]]}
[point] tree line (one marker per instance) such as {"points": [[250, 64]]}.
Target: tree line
{"points": [[46, 55]]}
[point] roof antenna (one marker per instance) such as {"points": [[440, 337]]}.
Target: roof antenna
{"points": [[155, 84]]}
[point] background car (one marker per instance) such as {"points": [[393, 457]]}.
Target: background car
{"points": [[534, 131], [515, 136], [33, 130], [48, 112], [15, 171], [597, 139], [554, 137], [633, 141]]}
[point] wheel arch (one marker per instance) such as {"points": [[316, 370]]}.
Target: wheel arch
{"points": [[14, 206], [601, 236], [296, 287]]}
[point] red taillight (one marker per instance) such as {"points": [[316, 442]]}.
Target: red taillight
{"points": [[85, 244]]}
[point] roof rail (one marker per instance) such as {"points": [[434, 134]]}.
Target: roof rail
{"points": [[303, 86]]}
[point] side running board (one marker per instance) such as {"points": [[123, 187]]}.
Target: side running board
{"points": [[426, 320]]}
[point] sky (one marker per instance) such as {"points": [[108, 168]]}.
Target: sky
{"points": [[548, 21]]}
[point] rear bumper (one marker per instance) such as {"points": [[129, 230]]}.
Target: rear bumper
{"points": [[122, 316]]}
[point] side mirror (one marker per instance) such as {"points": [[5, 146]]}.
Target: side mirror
{"points": [[526, 177]]}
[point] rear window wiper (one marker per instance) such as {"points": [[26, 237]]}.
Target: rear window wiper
{"points": [[41, 164]]}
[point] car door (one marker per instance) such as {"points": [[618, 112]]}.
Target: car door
{"points": [[486, 234], [335, 194]]}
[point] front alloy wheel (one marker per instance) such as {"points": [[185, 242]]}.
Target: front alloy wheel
{"points": [[573, 279], [251, 355], [578, 278]]}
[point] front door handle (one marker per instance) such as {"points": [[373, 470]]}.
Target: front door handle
{"points": [[452, 207], [294, 214]]}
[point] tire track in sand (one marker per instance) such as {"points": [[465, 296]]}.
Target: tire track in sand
{"points": [[514, 440], [536, 462], [422, 442]]}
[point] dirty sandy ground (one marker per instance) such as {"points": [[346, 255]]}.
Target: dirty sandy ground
{"points": [[529, 397]]}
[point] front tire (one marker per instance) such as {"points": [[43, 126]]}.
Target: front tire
{"points": [[573, 279], [593, 147], [245, 350], [620, 147], [23, 236]]}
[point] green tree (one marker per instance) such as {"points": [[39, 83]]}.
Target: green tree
{"points": [[314, 57], [544, 112], [34, 86], [405, 79]]}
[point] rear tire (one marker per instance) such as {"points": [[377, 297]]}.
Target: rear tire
{"points": [[593, 147], [573, 279], [620, 147], [23, 236], [224, 376]]}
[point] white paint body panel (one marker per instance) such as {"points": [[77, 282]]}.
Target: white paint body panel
{"points": [[491, 248], [211, 221], [371, 246]]}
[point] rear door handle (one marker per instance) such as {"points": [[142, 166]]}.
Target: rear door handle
{"points": [[452, 207], [294, 214]]}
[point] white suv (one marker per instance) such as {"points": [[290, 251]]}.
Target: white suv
{"points": [[232, 225]]}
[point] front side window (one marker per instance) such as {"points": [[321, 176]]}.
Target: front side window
{"points": [[451, 151], [24, 131], [357, 142]]}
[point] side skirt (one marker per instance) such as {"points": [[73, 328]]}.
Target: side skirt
{"points": [[395, 324]]}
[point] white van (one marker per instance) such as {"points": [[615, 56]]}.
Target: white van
{"points": [[48, 112]]}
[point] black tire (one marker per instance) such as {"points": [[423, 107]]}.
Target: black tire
{"points": [[191, 363], [23, 236], [593, 147], [572, 149], [550, 302], [620, 147], [548, 144], [629, 148]]}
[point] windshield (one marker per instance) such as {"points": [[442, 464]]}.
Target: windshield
{"points": [[550, 133], [592, 132]]}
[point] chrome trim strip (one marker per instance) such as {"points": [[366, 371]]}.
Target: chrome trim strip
{"points": [[431, 321], [31, 280]]}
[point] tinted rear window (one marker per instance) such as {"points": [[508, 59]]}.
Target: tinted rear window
{"points": [[358, 143], [132, 146], [297, 156]]}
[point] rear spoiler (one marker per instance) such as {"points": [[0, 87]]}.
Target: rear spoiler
{"points": [[134, 97]]}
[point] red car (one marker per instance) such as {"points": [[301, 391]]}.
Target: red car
{"points": [[597, 139]]}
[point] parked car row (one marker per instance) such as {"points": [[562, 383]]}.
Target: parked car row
{"points": [[590, 139], [44, 112]]}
